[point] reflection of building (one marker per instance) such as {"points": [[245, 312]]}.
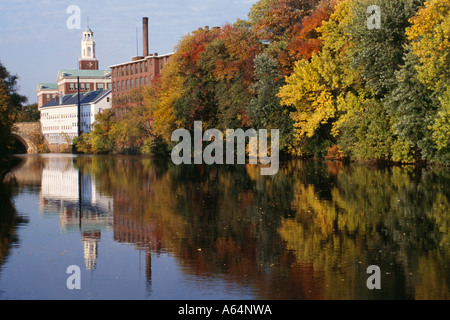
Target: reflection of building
{"points": [[128, 228], [90, 241], [73, 195]]}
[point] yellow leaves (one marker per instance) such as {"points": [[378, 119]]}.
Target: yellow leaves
{"points": [[161, 100], [429, 36], [316, 84], [441, 127]]}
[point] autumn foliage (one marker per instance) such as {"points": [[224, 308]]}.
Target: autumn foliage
{"points": [[314, 69]]}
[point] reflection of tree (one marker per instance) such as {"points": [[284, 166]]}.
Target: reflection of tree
{"points": [[9, 221], [390, 218], [309, 232]]}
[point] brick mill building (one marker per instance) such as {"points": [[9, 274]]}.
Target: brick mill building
{"points": [[140, 71], [91, 78]]}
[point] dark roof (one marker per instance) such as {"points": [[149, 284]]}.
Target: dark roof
{"points": [[85, 98]]}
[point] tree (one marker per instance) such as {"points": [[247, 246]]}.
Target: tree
{"points": [[29, 113], [16, 100], [429, 35], [102, 140], [276, 20], [305, 40], [197, 79], [265, 109], [6, 123], [441, 127], [413, 109], [161, 100], [379, 53], [319, 87], [232, 55]]}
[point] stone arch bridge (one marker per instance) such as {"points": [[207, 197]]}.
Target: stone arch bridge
{"points": [[29, 134]]}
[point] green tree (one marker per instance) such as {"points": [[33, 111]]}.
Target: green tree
{"points": [[29, 113], [10, 104], [413, 109], [429, 35], [265, 109], [379, 52], [11, 88], [6, 124], [102, 140]]}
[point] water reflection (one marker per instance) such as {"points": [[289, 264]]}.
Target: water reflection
{"points": [[310, 232], [70, 193]]}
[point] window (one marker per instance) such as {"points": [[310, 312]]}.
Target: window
{"points": [[82, 86], [137, 82], [100, 86], [72, 86], [146, 80], [88, 86]]}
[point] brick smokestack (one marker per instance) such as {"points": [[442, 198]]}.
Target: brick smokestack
{"points": [[145, 35]]}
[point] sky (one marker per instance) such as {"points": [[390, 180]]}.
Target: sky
{"points": [[35, 40]]}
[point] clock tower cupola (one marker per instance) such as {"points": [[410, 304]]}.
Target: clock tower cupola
{"points": [[88, 60]]}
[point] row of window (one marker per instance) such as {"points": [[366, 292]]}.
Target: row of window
{"points": [[74, 125], [135, 68], [87, 86], [50, 128], [138, 67], [47, 96], [47, 115], [130, 84], [57, 138]]}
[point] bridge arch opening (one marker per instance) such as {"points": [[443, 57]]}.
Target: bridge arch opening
{"points": [[20, 146]]}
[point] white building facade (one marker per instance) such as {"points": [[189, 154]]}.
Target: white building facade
{"points": [[59, 118]]}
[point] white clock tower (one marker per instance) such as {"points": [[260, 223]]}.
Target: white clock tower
{"points": [[88, 60]]}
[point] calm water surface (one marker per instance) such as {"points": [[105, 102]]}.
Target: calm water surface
{"points": [[142, 228]]}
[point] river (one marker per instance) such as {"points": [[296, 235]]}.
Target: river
{"points": [[143, 228]]}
